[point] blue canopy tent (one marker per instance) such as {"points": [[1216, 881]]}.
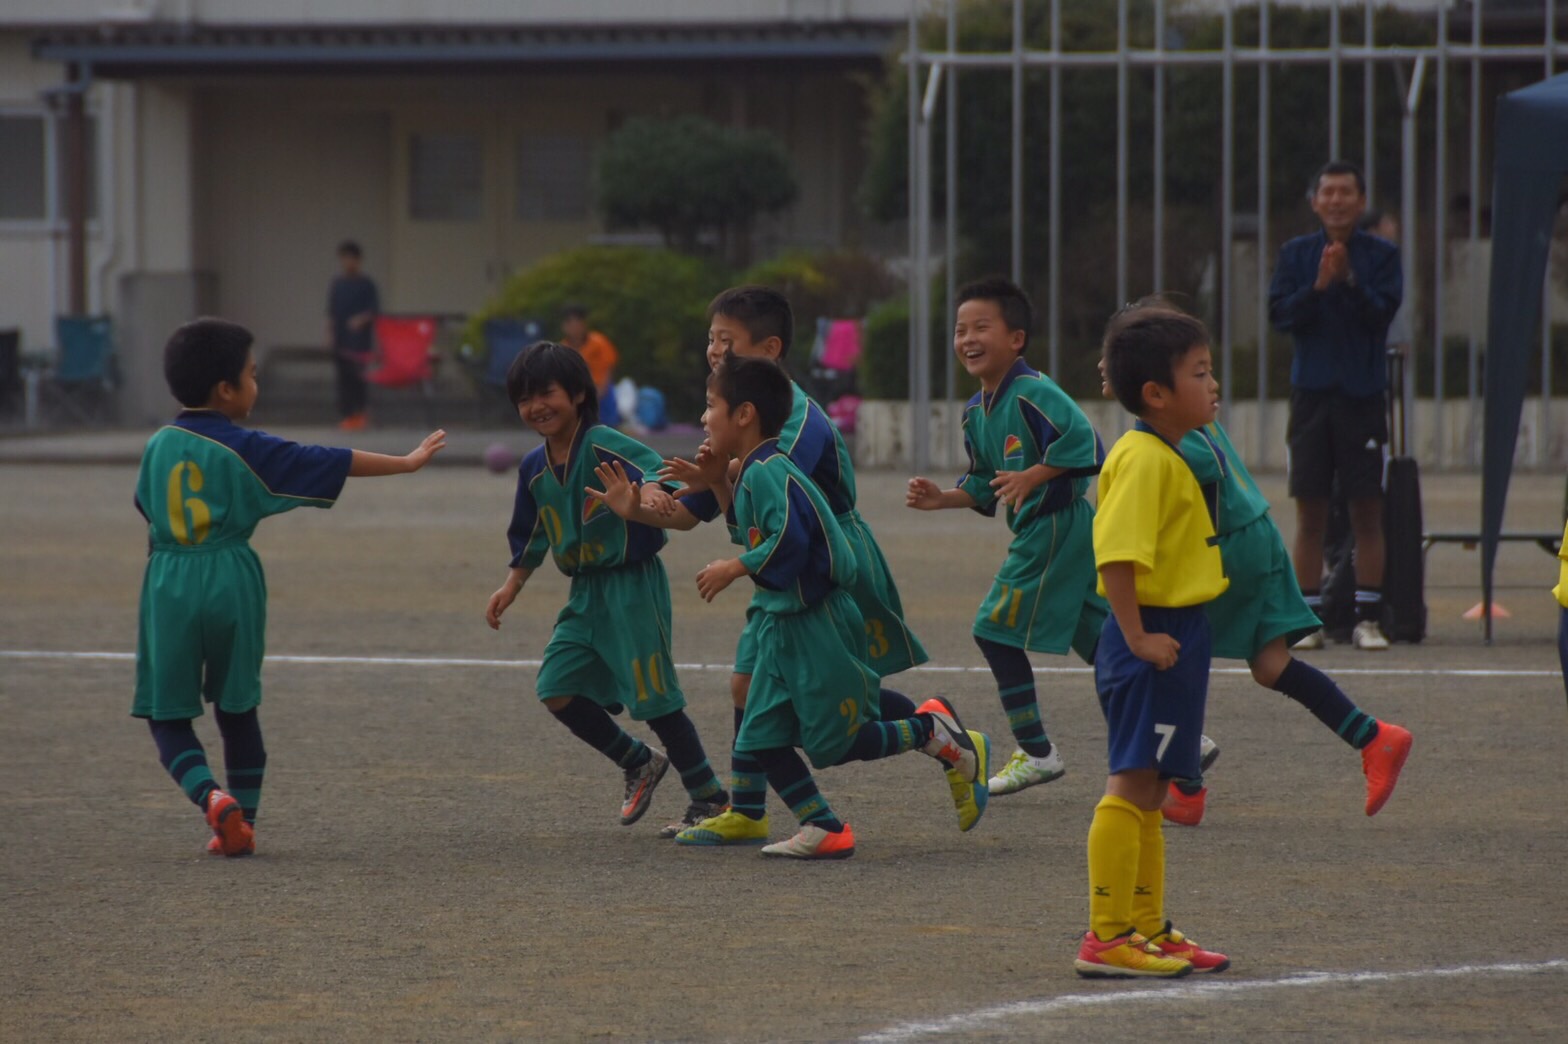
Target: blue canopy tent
{"points": [[1531, 162]]}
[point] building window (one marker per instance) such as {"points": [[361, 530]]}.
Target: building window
{"points": [[446, 177], [24, 194], [33, 174], [554, 177]]}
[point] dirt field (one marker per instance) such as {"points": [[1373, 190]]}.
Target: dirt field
{"points": [[438, 860]]}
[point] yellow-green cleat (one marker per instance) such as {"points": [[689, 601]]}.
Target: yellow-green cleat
{"points": [[970, 798], [727, 828]]}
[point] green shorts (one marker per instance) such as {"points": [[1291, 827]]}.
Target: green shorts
{"points": [[1263, 601], [1043, 598], [890, 644], [611, 643], [811, 686], [202, 632]]}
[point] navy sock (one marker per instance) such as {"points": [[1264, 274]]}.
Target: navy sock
{"points": [[748, 783], [791, 780], [184, 758], [895, 705], [883, 739], [682, 744], [1369, 603], [593, 725], [1015, 684], [244, 758], [1328, 703]]}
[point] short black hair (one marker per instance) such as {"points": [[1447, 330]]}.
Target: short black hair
{"points": [[203, 354], [761, 382], [574, 311], [349, 248], [544, 363], [1017, 312], [1142, 343], [1338, 167], [763, 311]]}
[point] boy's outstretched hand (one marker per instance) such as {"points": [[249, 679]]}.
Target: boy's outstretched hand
{"points": [[433, 443], [707, 471], [621, 495], [923, 494]]}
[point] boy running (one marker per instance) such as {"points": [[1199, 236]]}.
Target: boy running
{"points": [[610, 648], [811, 685], [1032, 450]]}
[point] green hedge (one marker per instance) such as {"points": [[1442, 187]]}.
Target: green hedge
{"points": [[884, 358], [651, 303]]}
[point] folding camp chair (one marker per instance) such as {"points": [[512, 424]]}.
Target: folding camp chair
{"points": [[505, 339], [83, 378], [405, 356]]}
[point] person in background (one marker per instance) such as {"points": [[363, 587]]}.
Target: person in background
{"points": [[600, 355], [352, 305]]}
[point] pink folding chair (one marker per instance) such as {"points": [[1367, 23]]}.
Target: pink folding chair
{"points": [[405, 356]]}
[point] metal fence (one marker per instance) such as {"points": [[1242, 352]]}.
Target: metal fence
{"points": [[935, 73]]}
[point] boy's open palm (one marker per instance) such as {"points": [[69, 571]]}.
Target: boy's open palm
{"points": [[433, 443], [621, 495]]}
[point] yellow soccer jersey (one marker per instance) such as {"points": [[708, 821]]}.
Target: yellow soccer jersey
{"points": [[1560, 592], [1152, 513]]}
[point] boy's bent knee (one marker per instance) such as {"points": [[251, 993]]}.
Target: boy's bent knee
{"points": [[556, 704]]}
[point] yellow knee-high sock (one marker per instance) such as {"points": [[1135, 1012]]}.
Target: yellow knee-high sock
{"points": [[1148, 897], [1113, 865]]}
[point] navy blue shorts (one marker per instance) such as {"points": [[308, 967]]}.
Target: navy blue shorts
{"points": [[1154, 718]]}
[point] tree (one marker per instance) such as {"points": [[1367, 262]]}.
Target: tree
{"points": [[688, 177]]}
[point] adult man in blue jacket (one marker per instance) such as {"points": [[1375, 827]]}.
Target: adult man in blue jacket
{"points": [[1335, 291]]}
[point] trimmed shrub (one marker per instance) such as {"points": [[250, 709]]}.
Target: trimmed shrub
{"points": [[650, 303]]}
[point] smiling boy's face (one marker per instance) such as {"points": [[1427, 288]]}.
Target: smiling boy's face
{"points": [[549, 410], [984, 343], [727, 334]]}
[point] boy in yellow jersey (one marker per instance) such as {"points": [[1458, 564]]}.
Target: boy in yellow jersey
{"points": [[1561, 593], [1158, 562]]}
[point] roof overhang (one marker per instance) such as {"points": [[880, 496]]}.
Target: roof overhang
{"points": [[156, 50]]}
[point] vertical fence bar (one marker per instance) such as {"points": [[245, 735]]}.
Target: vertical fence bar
{"points": [[1227, 202], [950, 254], [912, 69], [1018, 141], [1440, 234], [1333, 80], [1158, 272], [1473, 354], [1054, 177], [1260, 449], [1543, 427], [1368, 109], [1121, 151]]}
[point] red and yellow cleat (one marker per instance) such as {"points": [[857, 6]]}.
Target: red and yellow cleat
{"points": [[1174, 944], [1128, 956], [1186, 809]]}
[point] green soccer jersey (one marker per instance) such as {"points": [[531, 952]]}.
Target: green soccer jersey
{"points": [[552, 513], [1215, 463], [1028, 420], [205, 483], [795, 551]]}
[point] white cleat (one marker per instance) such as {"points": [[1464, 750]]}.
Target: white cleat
{"points": [[1023, 771]]}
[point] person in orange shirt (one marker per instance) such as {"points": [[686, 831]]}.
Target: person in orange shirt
{"points": [[597, 351]]}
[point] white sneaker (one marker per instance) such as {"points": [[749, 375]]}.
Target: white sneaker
{"points": [[814, 843], [1208, 753], [950, 743], [1023, 771], [1369, 636], [1310, 642]]}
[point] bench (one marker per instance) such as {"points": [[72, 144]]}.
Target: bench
{"points": [[1550, 542]]}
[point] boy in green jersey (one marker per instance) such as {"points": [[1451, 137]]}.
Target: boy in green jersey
{"points": [[610, 648], [1032, 451], [205, 484], [811, 686]]}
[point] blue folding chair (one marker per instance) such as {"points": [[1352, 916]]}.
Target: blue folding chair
{"points": [[505, 339], [83, 378]]}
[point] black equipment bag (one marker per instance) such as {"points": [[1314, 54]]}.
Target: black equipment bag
{"points": [[1404, 581]]}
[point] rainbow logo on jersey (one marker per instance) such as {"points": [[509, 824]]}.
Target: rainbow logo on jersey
{"points": [[753, 537], [1012, 453], [591, 507]]}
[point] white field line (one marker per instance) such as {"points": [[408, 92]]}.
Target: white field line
{"points": [[1175, 993], [441, 661]]}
